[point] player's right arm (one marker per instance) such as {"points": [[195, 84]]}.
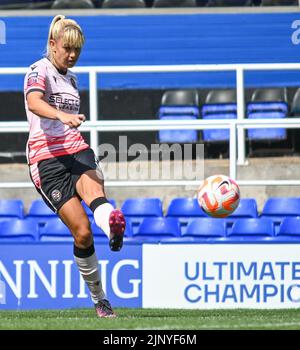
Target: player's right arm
{"points": [[37, 105]]}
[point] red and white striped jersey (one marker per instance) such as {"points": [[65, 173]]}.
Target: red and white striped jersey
{"points": [[49, 137]]}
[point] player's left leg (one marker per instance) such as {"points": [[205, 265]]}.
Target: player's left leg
{"points": [[90, 187], [74, 216]]}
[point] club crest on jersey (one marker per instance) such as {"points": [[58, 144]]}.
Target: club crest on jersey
{"points": [[73, 82], [56, 195], [32, 78]]}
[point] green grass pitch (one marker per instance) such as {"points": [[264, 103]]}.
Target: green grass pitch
{"points": [[152, 319]]}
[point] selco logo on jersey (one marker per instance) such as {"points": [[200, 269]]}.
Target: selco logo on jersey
{"points": [[69, 103]]}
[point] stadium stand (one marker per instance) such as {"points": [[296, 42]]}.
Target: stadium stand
{"points": [[185, 222], [253, 229], [18, 230], [277, 209], [136, 209], [179, 104], [184, 209]]}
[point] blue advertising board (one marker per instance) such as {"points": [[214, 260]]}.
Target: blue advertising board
{"points": [[45, 276]]}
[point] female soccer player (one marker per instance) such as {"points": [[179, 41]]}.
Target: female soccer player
{"points": [[62, 166]]}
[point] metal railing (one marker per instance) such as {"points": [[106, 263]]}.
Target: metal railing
{"points": [[236, 126]]}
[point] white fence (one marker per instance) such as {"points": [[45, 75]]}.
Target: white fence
{"points": [[236, 126]]}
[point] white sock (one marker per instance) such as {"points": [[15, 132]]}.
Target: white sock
{"points": [[89, 270], [101, 216]]}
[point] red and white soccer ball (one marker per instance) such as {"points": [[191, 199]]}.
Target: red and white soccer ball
{"points": [[218, 196]]}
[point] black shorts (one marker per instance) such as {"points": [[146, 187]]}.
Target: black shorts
{"points": [[55, 178]]}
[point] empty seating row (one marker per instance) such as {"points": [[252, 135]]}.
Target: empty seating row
{"points": [[208, 230], [153, 207], [136, 210], [14, 208], [220, 105], [161, 230]]}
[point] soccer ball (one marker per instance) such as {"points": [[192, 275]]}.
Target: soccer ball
{"points": [[218, 196]]}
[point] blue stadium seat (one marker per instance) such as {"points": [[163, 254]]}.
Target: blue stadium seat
{"points": [[18, 230], [128, 230], [40, 212], [156, 229], [265, 104], [185, 209], [136, 209], [177, 111], [247, 208], [55, 231], [277, 209], [289, 230], [219, 104], [251, 230], [253, 107], [217, 134], [180, 136], [11, 208], [179, 105], [205, 230], [267, 134]]}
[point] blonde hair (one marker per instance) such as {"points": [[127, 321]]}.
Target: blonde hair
{"points": [[67, 29]]}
